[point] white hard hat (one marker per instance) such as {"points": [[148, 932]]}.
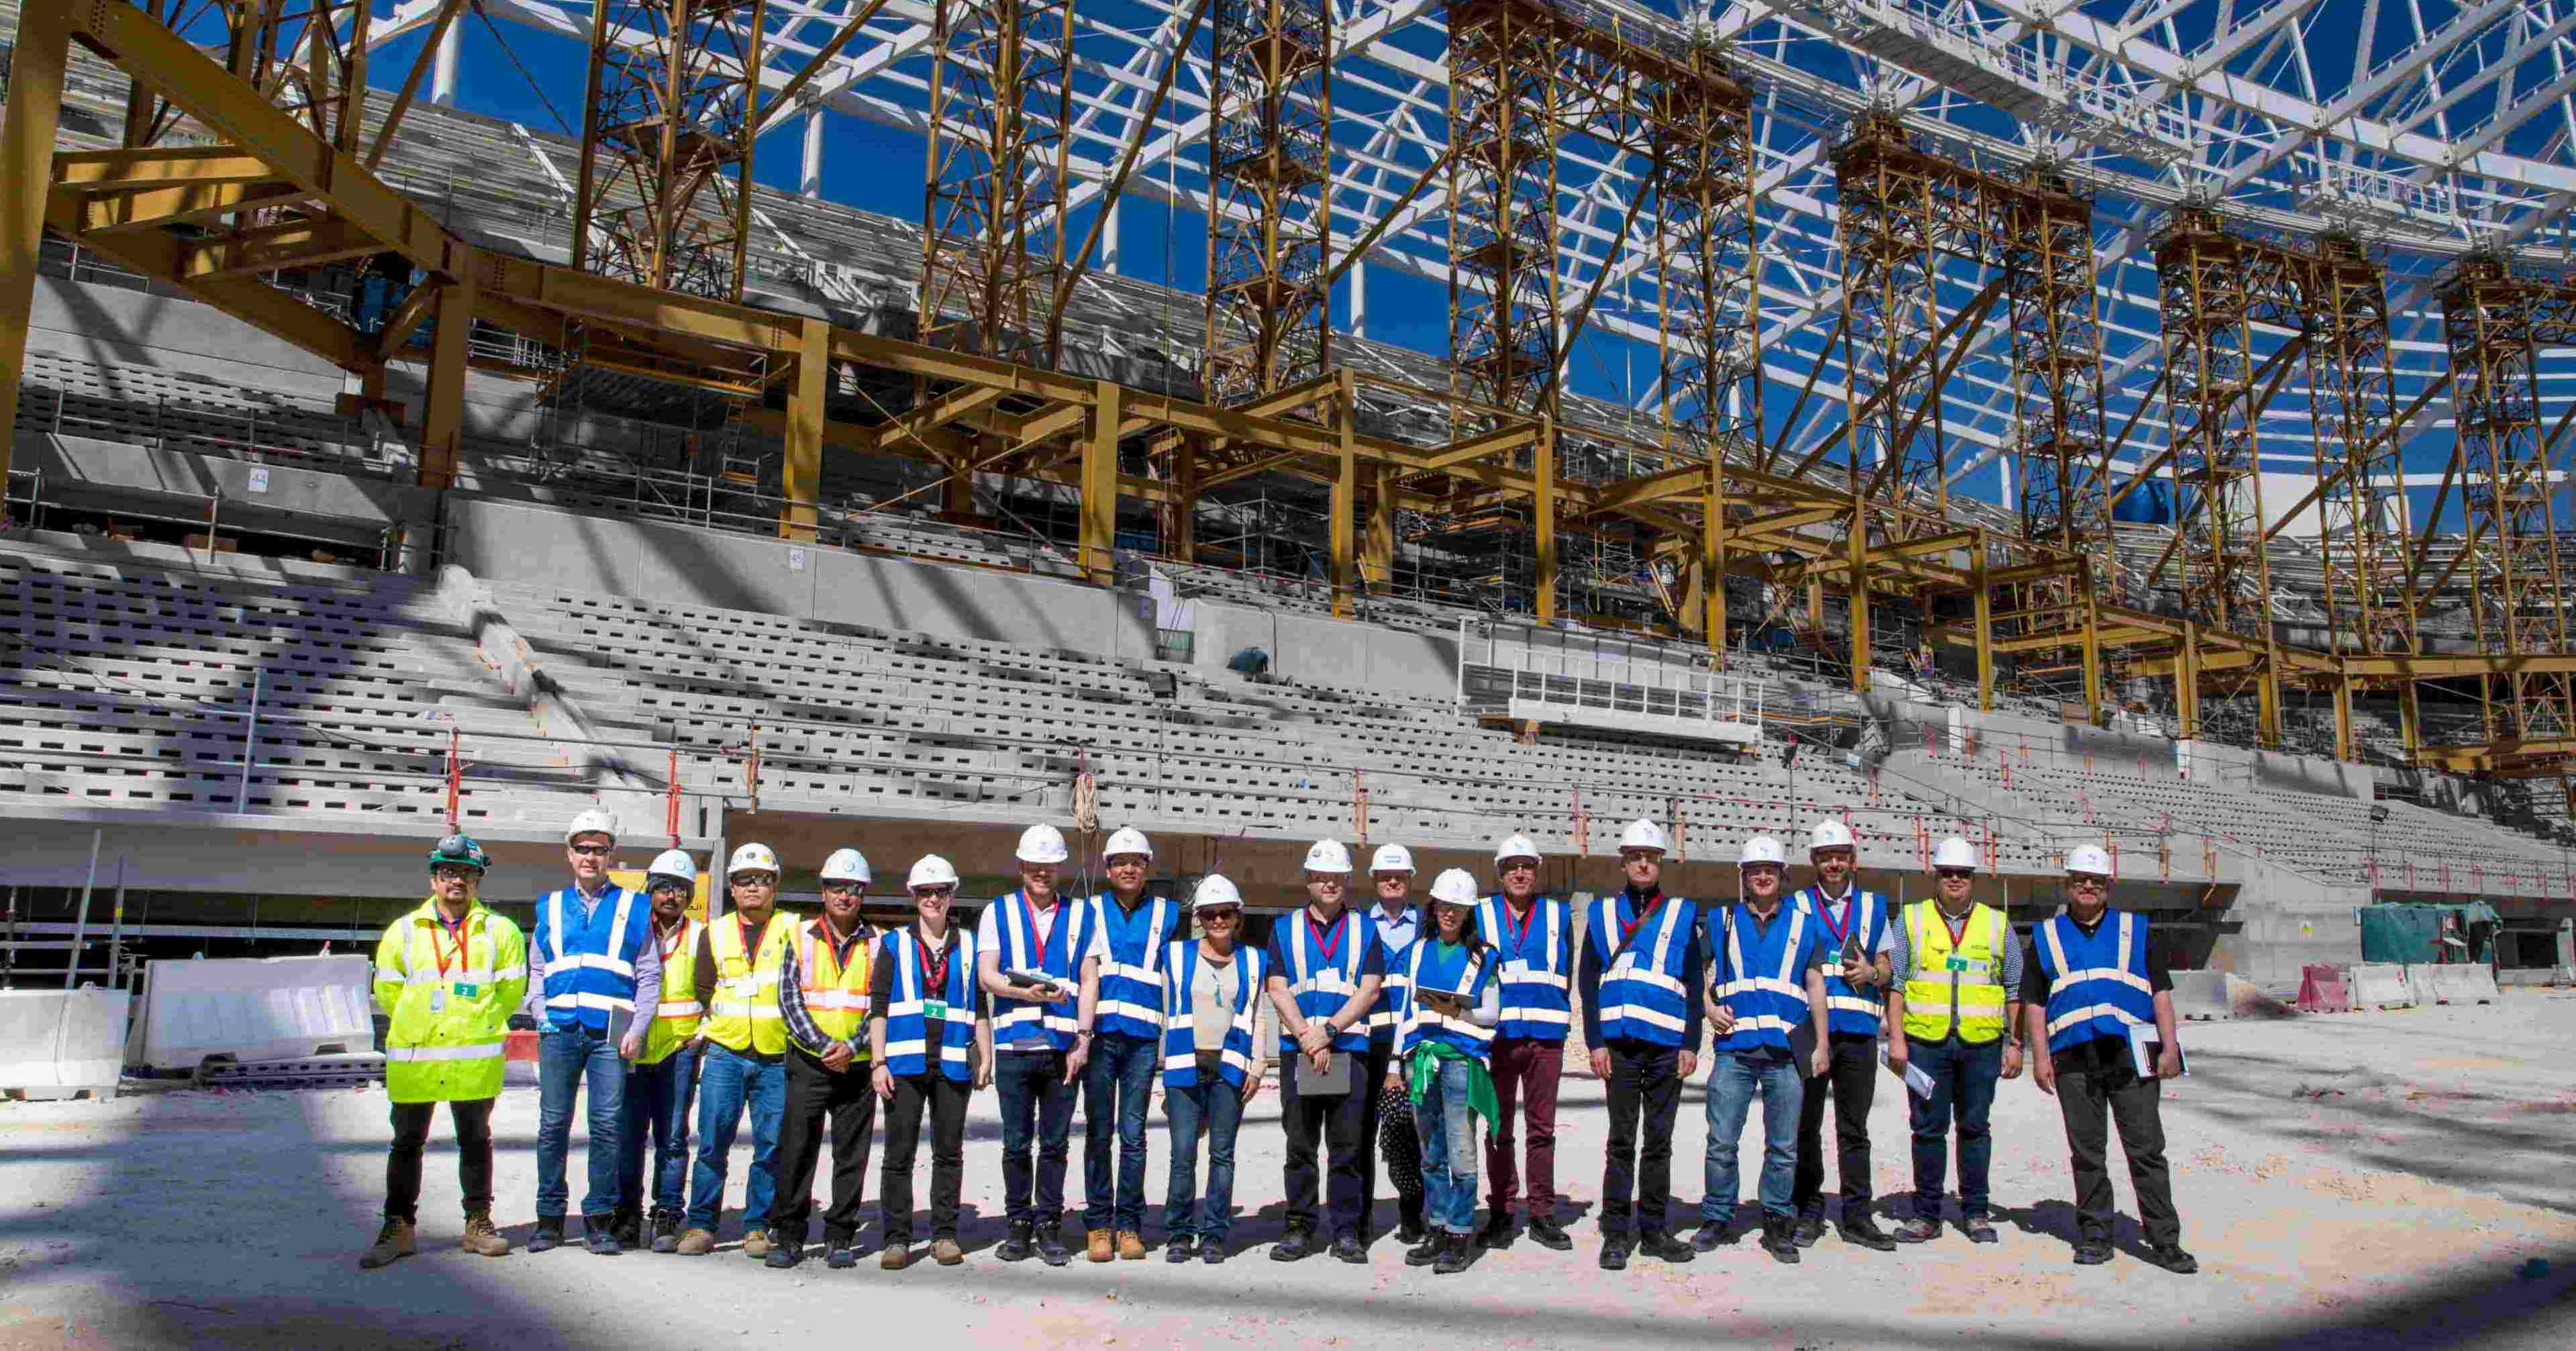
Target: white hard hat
{"points": [[1214, 890], [1643, 834], [593, 822], [673, 863], [1042, 844], [1124, 840], [1455, 886], [1955, 852], [1327, 856], [1763, 849], [752, 858], [1392, 858], [1518, 846], [1829, 834], [932, 871], [847, 865], [2089, 859]]}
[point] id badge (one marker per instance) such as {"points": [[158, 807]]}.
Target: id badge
{"points": [[465, 991], [935, 1008], [438, 999], [1958, 963]]}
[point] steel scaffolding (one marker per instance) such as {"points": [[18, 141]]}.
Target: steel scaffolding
{"points": [[1270, 112], [670, 112], [1503, 123], [993, 215], [2212, 285]]}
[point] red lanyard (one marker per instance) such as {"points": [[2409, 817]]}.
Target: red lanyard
{"points": [[751, 940], [936, 977], [1029, 917], [456, 932], [1959, 930], [1317, 936], [1520, 935], [1825, 916], [1627, 931], [671, 946]]}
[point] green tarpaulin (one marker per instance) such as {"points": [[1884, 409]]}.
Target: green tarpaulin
{"points": [[2427, 933]]}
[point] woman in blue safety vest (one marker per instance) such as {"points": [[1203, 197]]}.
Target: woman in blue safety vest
{"points": [[1212, 995], [932, 1046], [1446, 1009]]}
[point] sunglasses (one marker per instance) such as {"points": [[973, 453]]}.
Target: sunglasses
{"points": [[2093, 882], [844, 889], [1954, 874], [454, 874], [1229, 916], [594, 850], [929, 893], [1523, 866], [755, 879]]}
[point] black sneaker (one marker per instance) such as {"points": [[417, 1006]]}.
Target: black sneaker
{"points": [[1547, 1233], [2092, 1252], [1348, 1248], [599, 1235], [1212, 1252], [784, 1252], [1810, 1230], [1779, 1238], [1051, 1249], [2172, 1258], [666, 1231], [1428, 1250], [1409, 1230], [1180, 1248], [1980, 1229], [1712, 1235], [1663, 1247], [1614, 1251], [840, 1254], [550, 1234], [1865, 1232], [1016, 1247], [1293, 1246], [1456, 1255], [1497, 1233]]}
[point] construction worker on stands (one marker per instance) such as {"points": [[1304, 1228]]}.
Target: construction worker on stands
{"points": [[823, 998], [603, 986], [662, 1083], [1536, 939], [1957, 996], [742, 1050], [1642, 975], [1126, 1046], [2094, 984], [1446, 1010], [1038, 960], [449, 975], [1766, 973], [1852, 927], [1212, 994], [933, 1047], [1324, 973], [1398, 924]]}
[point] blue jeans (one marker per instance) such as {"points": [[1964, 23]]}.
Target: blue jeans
{"points": [[1734, 1077], [1963, 1084], [1119, 1080], [566, 1056], [657, 1114], [1216, 1106], [728, 1082], [1037, 1110], [1449, 1149]]}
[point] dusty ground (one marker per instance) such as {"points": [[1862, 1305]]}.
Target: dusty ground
{"points": [[2399, 1178]]}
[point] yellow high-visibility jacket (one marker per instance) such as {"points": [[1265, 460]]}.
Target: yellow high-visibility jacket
{"points": [[450, 1008]]}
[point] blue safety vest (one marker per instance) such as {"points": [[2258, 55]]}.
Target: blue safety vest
{"points": [[1433, 965], [1761, 973], [1181, 960], [907, 1015], [1644, 993], [1382, 1019], [1537, 971], [1319, 983], [1027, 1024], [589, 963], [1848, 1009], [2097, 983], [1131, 970]]}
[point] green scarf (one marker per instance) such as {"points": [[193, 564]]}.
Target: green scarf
{"points": [[1422, 1068]]}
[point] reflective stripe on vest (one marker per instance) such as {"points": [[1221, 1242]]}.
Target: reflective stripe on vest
{"points": [[1643, 994], [1765, 990], [744, 1015], [1848, 1009], [836, 997], [1427, 966], [907, 1033], [1973, 995], [1536, 971], [1131, 964], [676, 1018], [1181, 960], [590, 969], [1321, 987], [2098, 984]]}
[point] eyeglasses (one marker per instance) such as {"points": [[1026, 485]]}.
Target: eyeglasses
{"points": [[454, 874], [594, 850], [933, 893], [844, 889], [1519, 866], [1212, 916], [2088, 883], [755, 879]]}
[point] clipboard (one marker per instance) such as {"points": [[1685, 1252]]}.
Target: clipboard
{"points": [[1916, 1081], [2144, 1048]]}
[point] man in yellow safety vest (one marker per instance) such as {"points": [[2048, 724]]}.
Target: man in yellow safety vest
{"points": [[823, 996], [1958, 998], [742, 1050], [448, 975]]}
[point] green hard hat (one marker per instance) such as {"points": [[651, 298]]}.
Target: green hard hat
{"points": [[460, 849]]}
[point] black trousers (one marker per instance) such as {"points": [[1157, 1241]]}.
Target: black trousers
{"points": [[1341, 1123], [1853, 1080], [473, 1120], [1645, 1088], [2110, 1088], [816, 1096], [944, 1100]]}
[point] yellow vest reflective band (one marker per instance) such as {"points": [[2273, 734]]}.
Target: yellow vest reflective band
{"points": [[676, 1018], [450, 1008], [836, 997], [1962, 984], [744, 1015]]}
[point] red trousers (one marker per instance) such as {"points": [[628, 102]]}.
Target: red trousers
{"points": [[1526, 1073]]}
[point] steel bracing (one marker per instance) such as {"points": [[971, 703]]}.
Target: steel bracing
{"points": [[1000, 141], [1270, 237], [670, 111]]}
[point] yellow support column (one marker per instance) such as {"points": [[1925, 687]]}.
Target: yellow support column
{"points": [[442, 418], [2092, 648], [1377, 544], [1181, 515], [2345, 749], [1712, 557], [1346, 498], [1543, 470], [803, 479], [1100, 483], [2267, 696], [26, 175], [1985, 618], [1857, 552], [2187, 684]]}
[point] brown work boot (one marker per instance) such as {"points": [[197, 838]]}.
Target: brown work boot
{"points": [[481, 1238], [755, 1243], [1099, 1246], [946, 1252], [696, 1243], [393, 1242], [1131, 1246], [897, 1254]]}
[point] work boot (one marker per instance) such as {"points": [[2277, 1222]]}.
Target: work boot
{"points": [[2172, 1258], [1131, 1246], [1293, 1245], [1980, 1229], [1456, 1255], [695, 1243], [1918, 1230], [1714, 1234], [395, 1241], [2092, 1252], [1497, 1233], [785, 1252], [1180, 1248], [897, 1254], [599, 1235], [1348, 1248], [1100, 1245], [1663, 1247], [1212, 1251], [628, 1227], [755, 1243], [840, 1254], [666, 1231], [481, 1238], [1547, 1233], [1865, 1232], [1051, 1249], [1810, 1230], [1780, 1239], [1615, 1247], [550, 1233], [945, 1252], [1017, 1247], [1409, 1230], [1428, 1250]]}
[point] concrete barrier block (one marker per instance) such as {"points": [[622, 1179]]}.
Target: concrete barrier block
{"points": [[256, 1008], [2201, 995], [2419, 985], [61, 1043], [2465, 983], [2380, 985]]}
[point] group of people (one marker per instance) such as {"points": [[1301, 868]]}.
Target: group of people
{"points": [[1426, 1035]]}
